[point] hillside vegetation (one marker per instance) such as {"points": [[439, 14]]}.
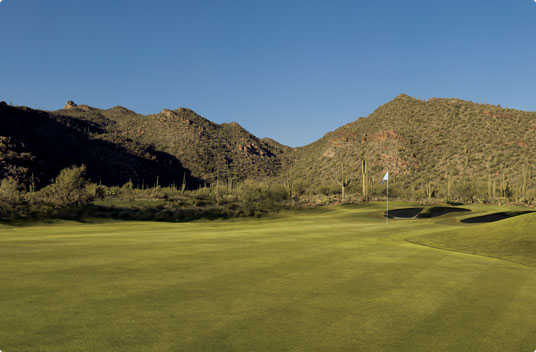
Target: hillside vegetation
{"points": [[481, 150], [446, 149], [117, 145]]}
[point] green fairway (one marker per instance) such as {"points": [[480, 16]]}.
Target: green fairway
{"points": [[337, 279], [512, 239]]}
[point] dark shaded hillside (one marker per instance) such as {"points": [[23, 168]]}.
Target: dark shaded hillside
{"points": [[36, 145], [119, 145], [208, 149], [424, 142]]}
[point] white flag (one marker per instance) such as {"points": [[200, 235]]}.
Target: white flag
{"points": [[386, 177]]}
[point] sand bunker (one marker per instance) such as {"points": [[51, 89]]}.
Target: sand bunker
{"points": [[494, 217], [422, 213]]}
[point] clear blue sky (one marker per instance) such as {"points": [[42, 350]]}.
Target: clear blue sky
{"points": [[290, 70]]}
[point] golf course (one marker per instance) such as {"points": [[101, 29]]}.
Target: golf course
{"points": [[329, 279]]}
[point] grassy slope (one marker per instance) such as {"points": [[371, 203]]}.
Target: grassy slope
{"points": [[512, 239], [322, 280]]}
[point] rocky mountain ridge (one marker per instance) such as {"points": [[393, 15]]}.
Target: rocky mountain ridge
{"points": [[418, 141]]}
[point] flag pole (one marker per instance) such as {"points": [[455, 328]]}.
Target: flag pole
{"points": [[387, 217]]}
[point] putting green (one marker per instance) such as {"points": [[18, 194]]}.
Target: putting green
{"points": [[338, 279]]}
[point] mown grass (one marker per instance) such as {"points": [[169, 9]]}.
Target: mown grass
{"points": [[512, 238], [322, 280]]}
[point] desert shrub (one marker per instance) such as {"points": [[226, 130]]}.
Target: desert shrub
{"points": [[10, 190], [68, 190], [355, 187], [394, 190], [95, 191], [128, 187], [258, 198], [328, 189], [300, 187], [465, 191]]}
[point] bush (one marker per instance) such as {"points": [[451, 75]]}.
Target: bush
{"points": [[10, 190], [328, 190], [465, 191], [69, 189], [259, 198]]}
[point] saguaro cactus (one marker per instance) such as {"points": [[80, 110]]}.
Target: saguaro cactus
{"points": [[429, 189], [183, 185], [449, 187], [364, 178], [490, 187], [344, 181], [526, 176]]}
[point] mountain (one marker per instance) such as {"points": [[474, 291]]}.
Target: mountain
{"points": [[419, 141], [422, 141], [118, 145], [35, 145]]}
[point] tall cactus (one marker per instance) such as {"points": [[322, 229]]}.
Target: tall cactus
{"points": [[526, 176], [344, 181], [503, 186], [429, 189], [364, 178], [183, 185], [449, 187], [490, 187]]}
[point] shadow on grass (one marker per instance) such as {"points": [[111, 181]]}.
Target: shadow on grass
{"points": [[158, 213], [418, 213], [405, 213], [495, 217], [97, 213], [438, 211]]}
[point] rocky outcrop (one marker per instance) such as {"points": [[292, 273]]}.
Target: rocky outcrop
{"points": [[70, 105]]}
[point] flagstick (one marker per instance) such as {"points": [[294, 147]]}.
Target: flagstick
{"points": [[387, 217]]}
